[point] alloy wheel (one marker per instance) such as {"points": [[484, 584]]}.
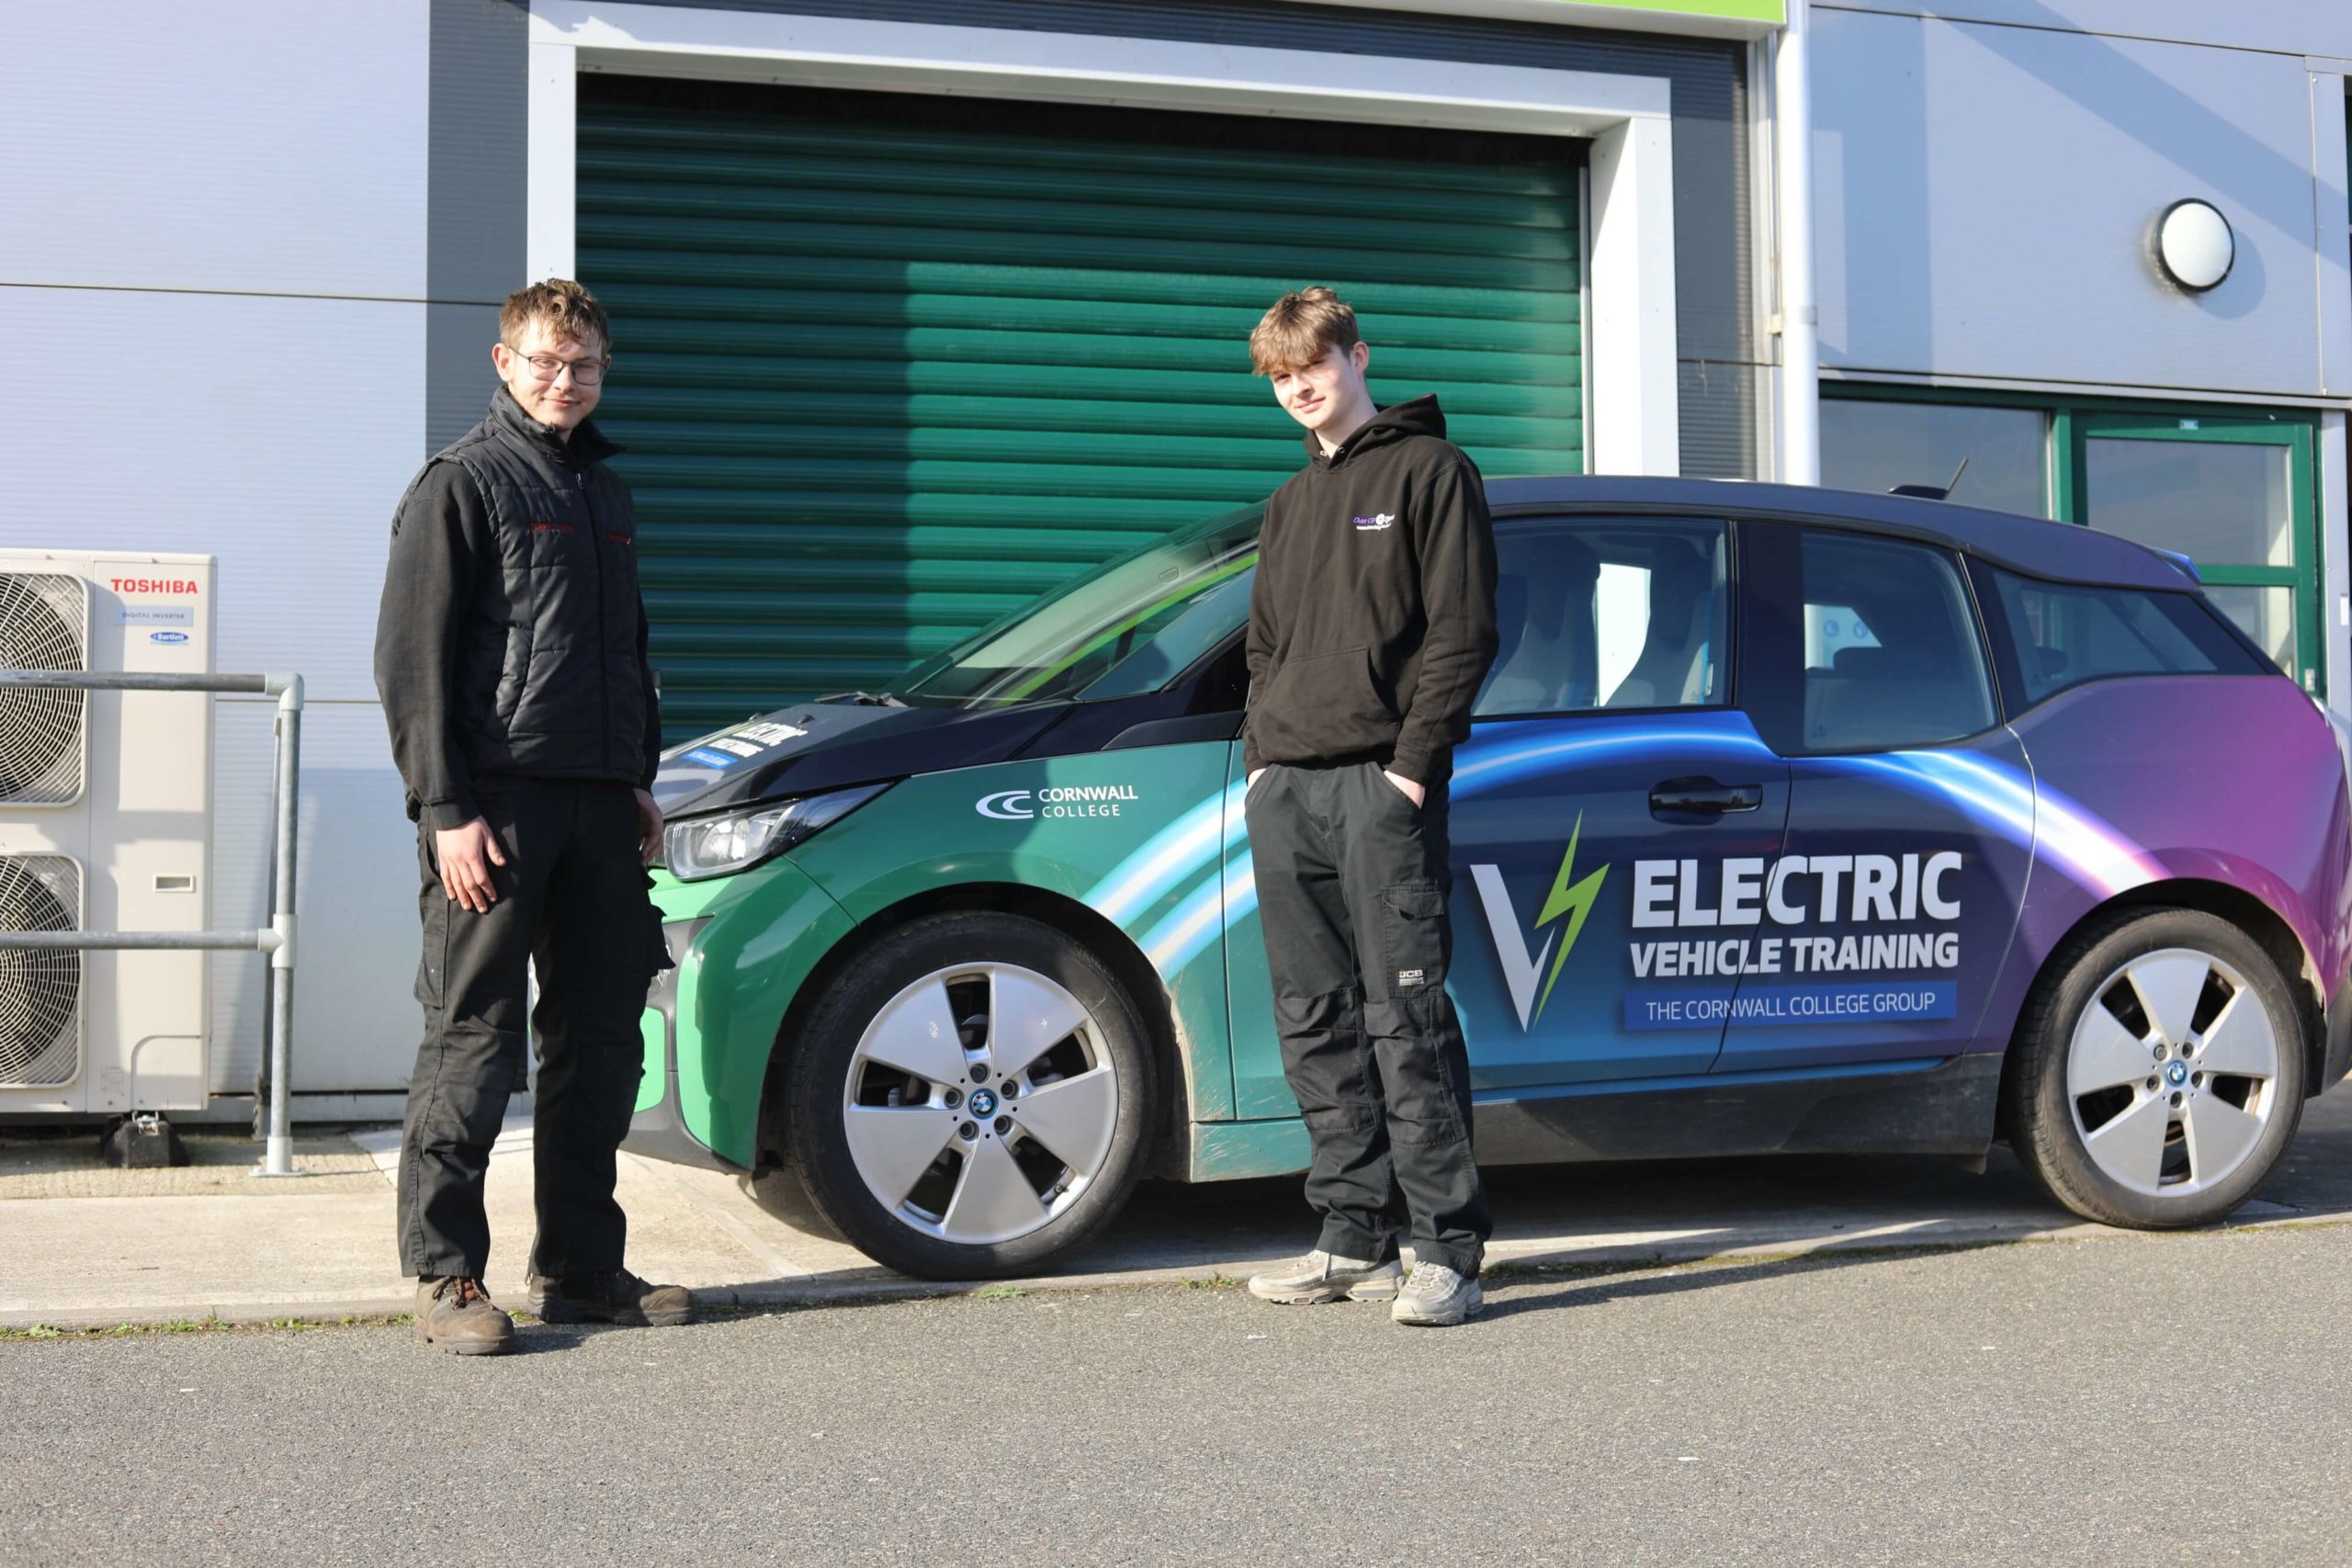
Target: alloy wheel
{"points": [[980, 1103], [2172, 1072]]}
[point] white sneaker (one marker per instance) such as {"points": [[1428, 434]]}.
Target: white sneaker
{"points": [[1436, 1297], [1320, 1276]]}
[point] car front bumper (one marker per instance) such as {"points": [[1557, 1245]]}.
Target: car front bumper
{"points": [[657, 1128], [743, 947]]}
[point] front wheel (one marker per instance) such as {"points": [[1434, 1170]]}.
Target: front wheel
{"points": [[971, 1096], [2162, 1073]]}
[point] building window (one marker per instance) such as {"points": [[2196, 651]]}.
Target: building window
{"points": [[2230, 488], [2233, 494], [1867, 445]]}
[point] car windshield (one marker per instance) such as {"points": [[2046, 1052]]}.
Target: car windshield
{"points": [[1124, 628]]}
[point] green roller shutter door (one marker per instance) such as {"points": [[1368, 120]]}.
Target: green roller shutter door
{"points": [[887, 367]]}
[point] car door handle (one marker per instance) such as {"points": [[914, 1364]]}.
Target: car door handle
{"points": [[1705, 797]]}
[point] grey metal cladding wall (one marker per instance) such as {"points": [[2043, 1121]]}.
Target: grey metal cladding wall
{"points": [[1714, 263], [475, 178]]}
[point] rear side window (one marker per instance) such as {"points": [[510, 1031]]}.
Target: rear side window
{"points": [[2063, 634], [1859, 643], [1909, 668]]}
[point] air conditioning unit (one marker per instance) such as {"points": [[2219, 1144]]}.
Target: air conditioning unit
{"points": [[105, 801]]}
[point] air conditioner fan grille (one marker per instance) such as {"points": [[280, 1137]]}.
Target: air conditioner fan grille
{"points": [[41, 619], [41, 993]]}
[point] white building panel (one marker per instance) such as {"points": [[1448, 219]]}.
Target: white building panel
{"points": [[276, 435], [269, 146], [2288, 27], [356, 1016], [1985, 196]]}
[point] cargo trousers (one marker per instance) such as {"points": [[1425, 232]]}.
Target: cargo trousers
{"points": [[572, 901], [1353, 880]]}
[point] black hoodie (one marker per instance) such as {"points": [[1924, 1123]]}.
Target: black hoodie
{"points": [[1371, 622]]}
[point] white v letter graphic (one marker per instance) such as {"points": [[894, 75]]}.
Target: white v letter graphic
{"points": [[1520, 968]]}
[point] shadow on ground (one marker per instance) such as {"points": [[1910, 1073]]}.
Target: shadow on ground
{"points": [[1634, 1214]]}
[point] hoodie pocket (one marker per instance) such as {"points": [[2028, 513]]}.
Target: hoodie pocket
{"points": [[1322, 707]]}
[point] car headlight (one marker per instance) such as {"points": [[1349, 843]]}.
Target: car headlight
{"points": [[714, 846]]}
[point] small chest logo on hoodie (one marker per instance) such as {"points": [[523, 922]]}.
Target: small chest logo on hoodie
{"points": [[1374, 525]]}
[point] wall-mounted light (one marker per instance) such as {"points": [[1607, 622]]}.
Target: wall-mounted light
{"points": [[2194, 245]]}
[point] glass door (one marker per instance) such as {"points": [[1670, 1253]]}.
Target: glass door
{"points": [[2234, 495]]}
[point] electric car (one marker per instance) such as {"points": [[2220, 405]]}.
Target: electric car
{"points": [[1791, 820]]}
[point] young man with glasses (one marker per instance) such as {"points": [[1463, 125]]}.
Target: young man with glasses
{"points": [[1371, 623], [510, 657]]}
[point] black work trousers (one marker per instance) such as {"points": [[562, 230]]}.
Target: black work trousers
{"points": [[572, 900], [1351, 887]]}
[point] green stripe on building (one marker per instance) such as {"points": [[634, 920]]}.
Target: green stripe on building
{"points": [[1774, 12]]}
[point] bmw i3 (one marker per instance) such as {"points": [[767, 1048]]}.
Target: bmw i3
{"points": [[1790, 821]]}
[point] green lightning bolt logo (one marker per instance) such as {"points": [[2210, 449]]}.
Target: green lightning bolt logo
{"points": [[1522, 969], [1572, 898]]}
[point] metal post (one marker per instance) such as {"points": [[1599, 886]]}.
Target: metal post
{"points": [[1800, 452], [278, 940], [288, 729]]}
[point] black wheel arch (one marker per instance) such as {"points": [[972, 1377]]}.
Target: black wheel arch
{"points": [[1105, 941]]}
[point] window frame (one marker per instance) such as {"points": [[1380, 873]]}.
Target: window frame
{"points": [[1775, 560], [1515, 518]]}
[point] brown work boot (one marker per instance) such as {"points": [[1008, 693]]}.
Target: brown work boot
{"points": [[616, 1296], [457, 1314]]}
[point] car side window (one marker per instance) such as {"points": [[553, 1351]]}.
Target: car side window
{"points": [[2063, 634], [1599, 614], [1862, 643]]}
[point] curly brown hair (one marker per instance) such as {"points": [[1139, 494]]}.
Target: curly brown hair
{"points": [[564, 307]]}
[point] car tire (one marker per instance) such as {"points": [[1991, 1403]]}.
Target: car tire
{"points": [[876, 1083], [2161, 1070]]}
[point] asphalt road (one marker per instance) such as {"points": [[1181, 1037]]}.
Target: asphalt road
{"points": [[2177, 1400]]}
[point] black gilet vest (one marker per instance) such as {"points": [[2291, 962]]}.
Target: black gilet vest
{"points": [[549, 681]]}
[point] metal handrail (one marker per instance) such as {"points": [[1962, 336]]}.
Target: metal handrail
{"points": [[278, 941]]}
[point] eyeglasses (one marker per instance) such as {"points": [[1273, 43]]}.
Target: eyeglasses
{"points": [[551, 367]]}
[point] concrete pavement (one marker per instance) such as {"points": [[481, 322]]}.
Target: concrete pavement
{"points": [[78, 1261]]}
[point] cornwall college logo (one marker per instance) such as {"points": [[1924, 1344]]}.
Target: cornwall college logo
{"points": [[1375, 524], [1071, 800], [1568, 897]]}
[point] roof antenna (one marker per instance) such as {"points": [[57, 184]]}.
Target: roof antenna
{"points": [[1929, 493]]}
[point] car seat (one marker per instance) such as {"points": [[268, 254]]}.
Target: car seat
{"points": [[1673, 668], [1548, 641], [1873, 698]]}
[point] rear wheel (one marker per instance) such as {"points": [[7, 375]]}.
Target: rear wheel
{"points": [[971, 1098], [2162, 1071]]}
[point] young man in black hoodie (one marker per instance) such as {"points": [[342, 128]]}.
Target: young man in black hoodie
{"points": [[1371, 623]]}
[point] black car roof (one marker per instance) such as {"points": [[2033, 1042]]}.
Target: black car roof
{"points": [[2065, 551]]}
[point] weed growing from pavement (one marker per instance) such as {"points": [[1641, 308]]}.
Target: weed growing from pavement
{"points": [[998, 1293], [1213, 1282], [204, 1325]]}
